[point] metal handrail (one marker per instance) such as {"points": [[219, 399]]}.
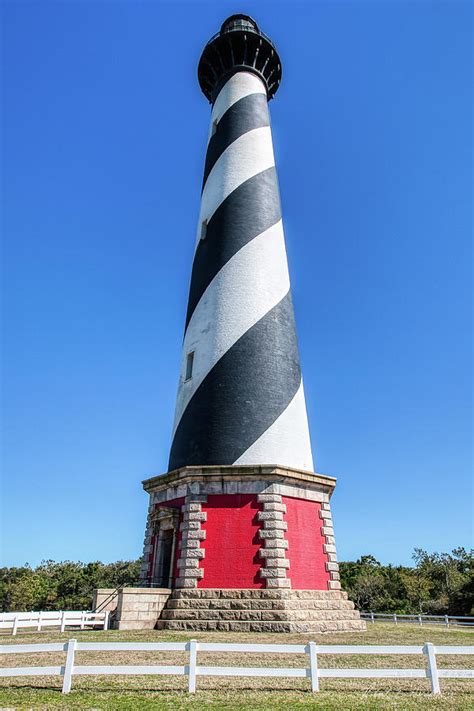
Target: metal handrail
{"points": [[249, 29], [147, 583]]}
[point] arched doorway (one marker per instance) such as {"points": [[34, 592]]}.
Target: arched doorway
{"points": [[165, 525]]}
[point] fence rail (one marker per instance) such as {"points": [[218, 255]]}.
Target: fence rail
{"points": [[192, 670], [445, 620], [63, 618]]}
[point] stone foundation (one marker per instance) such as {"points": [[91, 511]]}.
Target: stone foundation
{"points": [[260, 611], [252, 610]]}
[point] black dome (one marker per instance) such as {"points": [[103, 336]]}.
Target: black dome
{"points": [[239, 46]]}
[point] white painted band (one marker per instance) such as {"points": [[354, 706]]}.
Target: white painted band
{"points": [[251, 283], [248, 155], [286, 440], [237, 87]]}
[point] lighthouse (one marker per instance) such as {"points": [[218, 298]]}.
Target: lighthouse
{"points": [[240, 395], [239, 532]]}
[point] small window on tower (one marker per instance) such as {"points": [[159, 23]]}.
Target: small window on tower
{"points": [[214, 127], [203, 229], [189, 366]]}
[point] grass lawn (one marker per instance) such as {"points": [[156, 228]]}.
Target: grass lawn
{"points": [[166, 692]]}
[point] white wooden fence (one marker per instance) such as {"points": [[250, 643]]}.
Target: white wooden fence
{"points": [[63, 618], [312, 671], [445, 620]]}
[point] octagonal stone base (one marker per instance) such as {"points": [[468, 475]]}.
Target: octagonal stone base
{"points": [[253, 549]]}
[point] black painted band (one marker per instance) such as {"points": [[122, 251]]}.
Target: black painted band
{"points": [[248, 113], [242, 395], [248, 211]]}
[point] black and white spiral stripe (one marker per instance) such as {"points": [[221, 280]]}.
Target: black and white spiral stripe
{"points": [[244, 403]]}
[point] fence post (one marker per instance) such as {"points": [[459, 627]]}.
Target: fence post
{"points": [[82, 620], [39, 622], [69, 665], [192, 666], [313, 665], [395, 619], [15, 624], [446, 620], [429, 651], [63, 621], [420, 620], [372, 617], [106, 619]]}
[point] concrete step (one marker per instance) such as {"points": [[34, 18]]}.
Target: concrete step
{"points": [[258, 593], [260, 626], [257, 604], [266, 615]]}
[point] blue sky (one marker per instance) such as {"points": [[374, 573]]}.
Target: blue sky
{"points": [[103, 146]]}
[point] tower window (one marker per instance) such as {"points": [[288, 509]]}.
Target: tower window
{"points": [[214, 127], [203, 229], [189, 365]]}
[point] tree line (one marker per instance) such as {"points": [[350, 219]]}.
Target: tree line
{"points": [[437, 584], [61, 586]]}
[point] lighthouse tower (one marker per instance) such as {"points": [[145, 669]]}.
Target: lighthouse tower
{"points": [[239, 530]]}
